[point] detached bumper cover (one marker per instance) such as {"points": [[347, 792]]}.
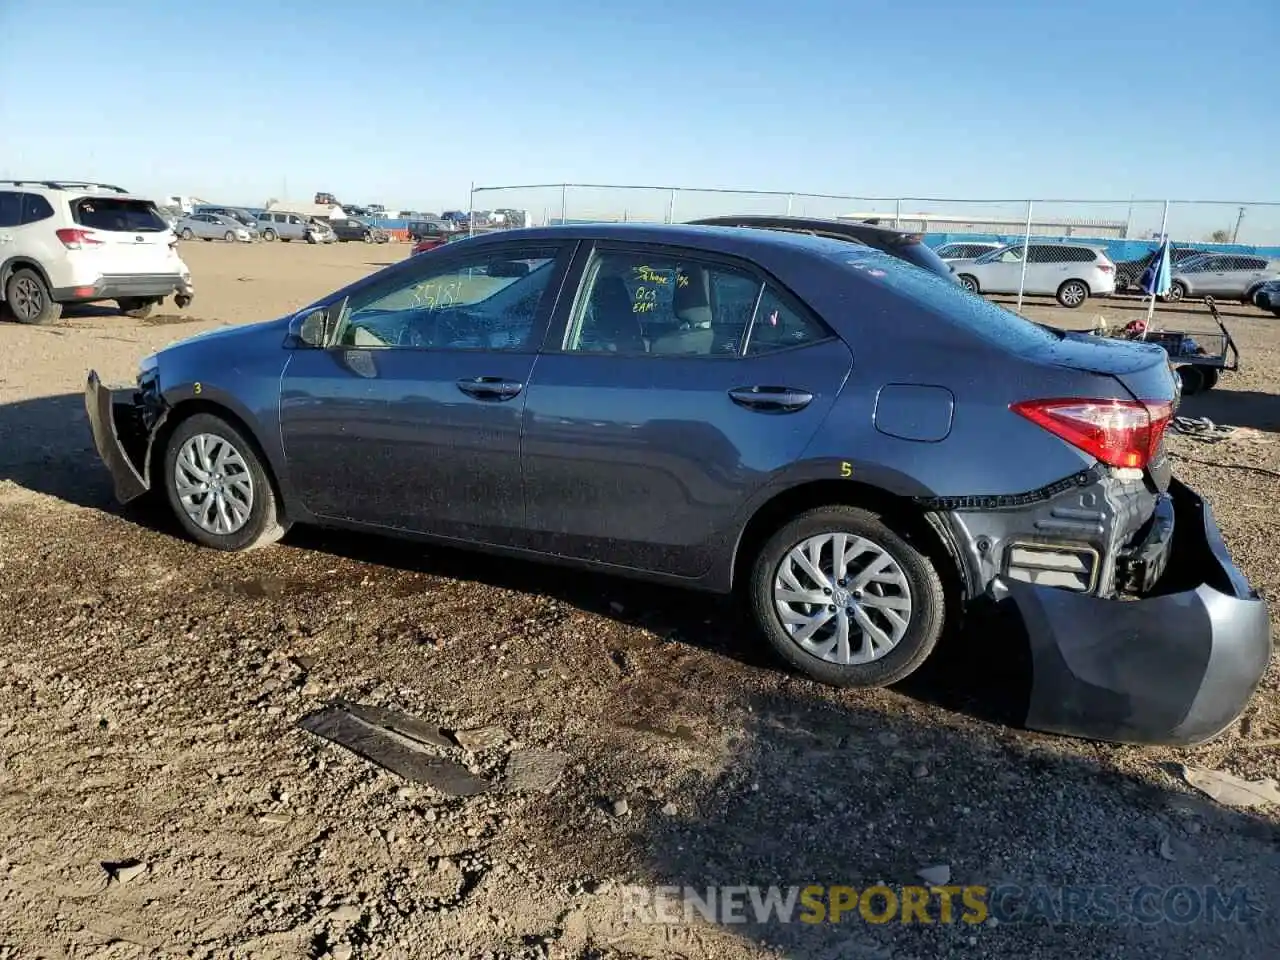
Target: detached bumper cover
{"points": [[120, 436], [1175, 667]]}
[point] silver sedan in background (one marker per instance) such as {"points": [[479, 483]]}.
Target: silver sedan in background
{"points": [[214, 226]]}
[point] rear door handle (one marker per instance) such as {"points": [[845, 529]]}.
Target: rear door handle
{"points": [[771, 399], [490, 388]]}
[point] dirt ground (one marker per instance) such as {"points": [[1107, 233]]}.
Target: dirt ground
{"points": [[158, 800]]}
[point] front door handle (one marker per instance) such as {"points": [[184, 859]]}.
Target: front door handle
{"points": [[771, 399], [490, 388]]}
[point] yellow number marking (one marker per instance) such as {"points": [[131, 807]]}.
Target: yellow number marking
{"points": [[846, 469], [196, 389]]}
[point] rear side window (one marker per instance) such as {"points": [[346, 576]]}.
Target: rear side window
{"points": [[121, 216], [35, 208], [10, 208], [779, 326], [967, 310]]}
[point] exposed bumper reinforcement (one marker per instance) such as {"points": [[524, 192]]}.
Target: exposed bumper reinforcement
{"points": [[113, 418], [1175, 667]]}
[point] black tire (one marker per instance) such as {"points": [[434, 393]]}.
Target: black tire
{"points": [[188, 234], [1177, 292], [1275, 311], [1192, 378], [28, 298], [136, 307], [182, 301], [1211, 375], [928, 600], [1073, 294], [268, 235], [229, 236], [286, 239], [265, 523], [969, 282]]}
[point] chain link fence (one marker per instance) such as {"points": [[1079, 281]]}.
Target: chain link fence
{"points": [[1070, 251]]}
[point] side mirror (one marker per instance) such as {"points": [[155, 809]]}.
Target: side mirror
{"points": [[313, 329]]}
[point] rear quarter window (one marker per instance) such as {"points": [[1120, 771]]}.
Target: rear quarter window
{"points": [[35, 208], [119, 215], [956, 305]]}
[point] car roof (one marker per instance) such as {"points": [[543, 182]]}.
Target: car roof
{"points": [[855, 229], [744, 241]]}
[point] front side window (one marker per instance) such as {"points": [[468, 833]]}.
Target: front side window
{"points": [[490, 301]]}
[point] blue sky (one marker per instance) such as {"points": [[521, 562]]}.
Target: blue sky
{"points": [[407, 103]]}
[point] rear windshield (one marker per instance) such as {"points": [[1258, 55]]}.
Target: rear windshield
{"points": [[114, 213], [946, 297]]}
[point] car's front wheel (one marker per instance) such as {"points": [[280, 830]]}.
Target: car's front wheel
{"points": [[970, 283], [1177, 291], [188, 234], [845, 599], [217, 486], [1073, 293]]}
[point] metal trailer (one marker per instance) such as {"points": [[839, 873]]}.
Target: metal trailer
{"points": [[1198, 357]]}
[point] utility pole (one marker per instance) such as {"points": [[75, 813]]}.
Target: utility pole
{"points": [[1235, 234]]}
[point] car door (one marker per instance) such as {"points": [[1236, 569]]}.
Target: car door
{"points": [[1001, 273], [411, 418], [1250, 271], [673, 386], [10, 220], [1213, 276]]}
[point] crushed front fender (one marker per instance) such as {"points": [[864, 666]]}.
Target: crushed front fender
{"points": [[1174, 667], [121, 436]]}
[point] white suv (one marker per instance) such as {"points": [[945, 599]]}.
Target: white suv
{"points": [[1072, 272], [73, 242]]}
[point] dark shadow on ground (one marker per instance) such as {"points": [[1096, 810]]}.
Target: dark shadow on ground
{"points": [[46, 446], [1237, 408], [835, 794]]}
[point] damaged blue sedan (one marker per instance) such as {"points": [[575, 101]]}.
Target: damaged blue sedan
{"points": [[859, 448]]}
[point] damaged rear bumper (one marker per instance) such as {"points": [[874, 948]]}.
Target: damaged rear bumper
{"points": [[121, 435], [1176, 666]]}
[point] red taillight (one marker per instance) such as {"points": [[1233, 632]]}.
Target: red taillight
{"points": [[75, 239], [1120, 433], [1107, 267]]}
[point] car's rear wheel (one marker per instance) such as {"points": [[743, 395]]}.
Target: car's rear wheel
{"points": [[136, 307], [1073, 293], [1193, 379], [845, 599], [217, 486], [1177, 291], [188, 234], [29, 299], [970, 283], [268, 235]]}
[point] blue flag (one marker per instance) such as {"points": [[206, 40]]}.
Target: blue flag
{"points": [[1157, 279]]}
